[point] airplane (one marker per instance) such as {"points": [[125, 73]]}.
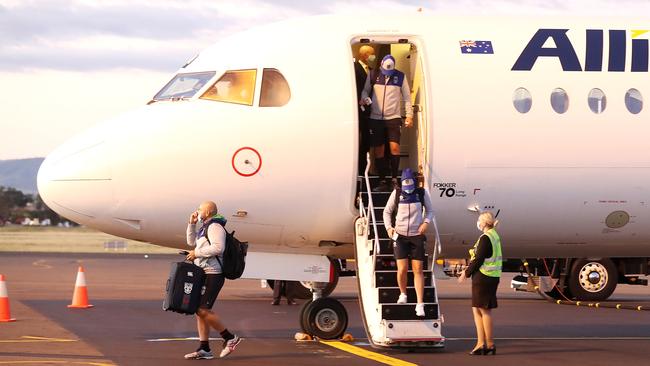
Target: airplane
{"points": [[539, 120]]}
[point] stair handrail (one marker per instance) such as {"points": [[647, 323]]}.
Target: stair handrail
{"points": [[371, 209], [437, 248]]}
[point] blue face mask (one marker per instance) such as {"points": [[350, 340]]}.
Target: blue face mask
{"points": [[408, 185], [387, 65]]}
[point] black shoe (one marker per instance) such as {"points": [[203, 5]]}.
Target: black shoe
{"points": [[382, 187], [275, 302], [291, 302], [478, 351], [492, 350]]}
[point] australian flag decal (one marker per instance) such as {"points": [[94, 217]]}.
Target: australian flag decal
{"points": [[477, 47]]}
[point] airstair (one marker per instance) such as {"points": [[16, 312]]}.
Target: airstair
{"points": [[388, 324]]}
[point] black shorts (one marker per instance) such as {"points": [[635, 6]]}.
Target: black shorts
{"points": [[376, 132], [211, 287], [410, 247], [394, 129]]}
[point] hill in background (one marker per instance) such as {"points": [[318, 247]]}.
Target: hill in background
{"points": [[20, 174]]}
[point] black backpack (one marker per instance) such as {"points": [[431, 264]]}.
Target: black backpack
{"points": [[234, 255], [398, 191]]}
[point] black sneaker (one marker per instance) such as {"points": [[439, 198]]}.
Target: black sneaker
{"points": [[382, 187]]}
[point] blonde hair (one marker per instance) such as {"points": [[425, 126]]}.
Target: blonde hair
{"points": [[488, 219]]}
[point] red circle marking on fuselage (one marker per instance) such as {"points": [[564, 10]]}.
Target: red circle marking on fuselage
{"points": [[235, 156]]}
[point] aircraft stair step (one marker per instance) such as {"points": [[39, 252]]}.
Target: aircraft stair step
{"points": [[407, 312], [389, 295], [387, 262], [389, 278], [379, 199], [381, 231]]}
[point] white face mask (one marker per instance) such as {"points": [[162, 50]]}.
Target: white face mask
{"points": [[372, 58], [478, 226]]}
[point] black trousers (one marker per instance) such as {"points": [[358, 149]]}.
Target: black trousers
{"points": [[283, 288]]}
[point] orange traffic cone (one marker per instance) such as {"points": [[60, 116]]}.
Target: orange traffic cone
{"points": [[80, 296], [5, 314]]}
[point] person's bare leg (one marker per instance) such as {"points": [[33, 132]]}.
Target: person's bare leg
{"points": [[394, 158], [394, 148], [211, 319], [204, 329], [480, 332], [418, 279], [379, 151], [402, 270], [486, 317]]}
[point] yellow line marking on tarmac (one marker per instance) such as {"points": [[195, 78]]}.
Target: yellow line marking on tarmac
{"points": [[368, 354], [34, 339]]}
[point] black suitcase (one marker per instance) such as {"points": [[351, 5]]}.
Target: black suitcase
{"points": [[184, 287]]}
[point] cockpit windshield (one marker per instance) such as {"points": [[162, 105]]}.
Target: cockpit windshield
{"points": [[184, 86]]}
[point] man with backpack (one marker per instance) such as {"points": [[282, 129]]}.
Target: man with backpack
{"points": [[385, 92], [406, 226], [210, 244]]}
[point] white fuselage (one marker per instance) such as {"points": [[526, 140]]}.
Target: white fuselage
{"points": [[553, 178]]}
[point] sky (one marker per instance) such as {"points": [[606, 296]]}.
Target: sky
{"points": [[66, 65]]}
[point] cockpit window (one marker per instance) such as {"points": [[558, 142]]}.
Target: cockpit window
{"points": [[236, 86], [275, 89], [184, 86]]}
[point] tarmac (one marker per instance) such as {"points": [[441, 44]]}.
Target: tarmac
{"points": [[127, 325]]}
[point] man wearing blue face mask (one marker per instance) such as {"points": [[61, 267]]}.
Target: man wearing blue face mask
{"points": [[406, 224], [385, 91]]}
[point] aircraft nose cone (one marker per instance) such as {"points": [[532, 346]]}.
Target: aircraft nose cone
{"points": [[75, 179]]}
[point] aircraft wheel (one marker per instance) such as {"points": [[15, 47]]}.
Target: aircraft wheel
{"points": [[304, 321], [593, 280], [326, 318]]}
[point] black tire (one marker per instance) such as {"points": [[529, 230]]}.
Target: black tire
{"points": [[304, 321], [593, 280], [303, 292], [326, 318]]}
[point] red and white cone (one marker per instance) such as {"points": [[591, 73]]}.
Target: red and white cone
{"points": [[5, 314], [80, 296]]}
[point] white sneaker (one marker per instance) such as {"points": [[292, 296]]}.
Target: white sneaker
{"points": [[419, 310], [401, 299], [230, 346], [199, 355]]}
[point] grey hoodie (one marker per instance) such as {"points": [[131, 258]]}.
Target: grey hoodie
{"points": [[387, 96], [205, 251], [409, 215]]}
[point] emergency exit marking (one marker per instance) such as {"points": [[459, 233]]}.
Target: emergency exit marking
{"points": [[247, 161]]}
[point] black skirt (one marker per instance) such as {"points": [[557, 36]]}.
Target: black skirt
{"points": [[484, 291]]}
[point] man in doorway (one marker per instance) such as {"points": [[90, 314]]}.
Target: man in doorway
{"points": [[362, 68], [384, 91]]}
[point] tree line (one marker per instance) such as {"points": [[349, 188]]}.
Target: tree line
{"points": [[16, 206]]}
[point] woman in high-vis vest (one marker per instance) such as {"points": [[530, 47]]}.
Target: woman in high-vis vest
{"points": [[485, 270]]}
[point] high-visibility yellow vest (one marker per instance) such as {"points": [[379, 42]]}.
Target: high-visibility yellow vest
{"points": [[491, 266]]}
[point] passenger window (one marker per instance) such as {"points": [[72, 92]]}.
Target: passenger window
{"points": [[275, 89], [237, 86], [634, 101], [597, 101], [522, 100], [560, 100]]}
